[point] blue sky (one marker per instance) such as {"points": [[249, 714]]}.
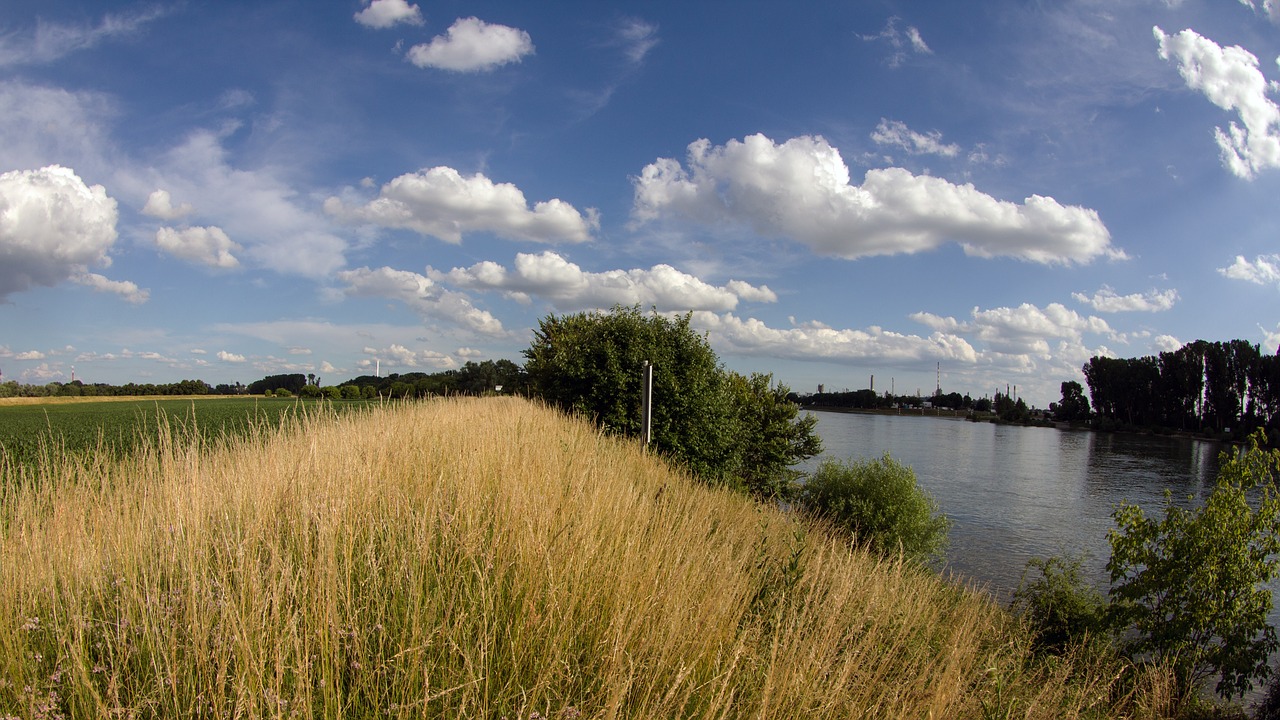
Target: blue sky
{"points": [[835, 190]]}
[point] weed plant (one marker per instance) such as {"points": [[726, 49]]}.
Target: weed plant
{"points": [[479, 559]]}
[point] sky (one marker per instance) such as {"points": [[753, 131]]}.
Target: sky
{"points": [[977, 196]]}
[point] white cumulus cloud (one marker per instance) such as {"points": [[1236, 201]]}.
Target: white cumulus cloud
{"points": [[472, 45], [442, 203], [52, 227], [1106, 300], [801, 189], [275, 224], [160, 205], [225, 356], [205, 245], [421, 294], [813, 341], [1023, 330], [30, 355], [1263, 270], [382, 14], [126, 289], [1230, 78], [568, 286], [896, 133]]}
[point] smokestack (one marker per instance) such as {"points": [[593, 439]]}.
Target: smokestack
{"points": [[873, 383]]}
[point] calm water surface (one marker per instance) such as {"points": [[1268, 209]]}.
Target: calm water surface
{"points": [[1014, 493]]}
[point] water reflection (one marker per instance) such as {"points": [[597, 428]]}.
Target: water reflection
{"points": [[1014, 493]]}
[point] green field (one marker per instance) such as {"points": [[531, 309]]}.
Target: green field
{"points": [[28, 431]]}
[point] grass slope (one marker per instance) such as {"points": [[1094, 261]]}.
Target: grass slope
{"points": [[477, 558]]}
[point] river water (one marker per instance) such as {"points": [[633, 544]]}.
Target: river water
{"points": [[1014, 493]]}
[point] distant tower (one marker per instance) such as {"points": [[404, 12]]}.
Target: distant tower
{"points": [[377, 367], [73, 373], [937, 392], [873, 383]]}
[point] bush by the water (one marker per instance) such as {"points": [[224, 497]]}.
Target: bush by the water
{"points": [[1061, 606], [880, 503]]}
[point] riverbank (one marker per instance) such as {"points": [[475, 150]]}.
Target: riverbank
{"points": [[480, 558]]}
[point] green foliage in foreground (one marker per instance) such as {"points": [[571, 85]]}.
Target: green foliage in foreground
{"points": [[1060, 604], [880, 504], [1192, 584], [1188, 589], [119, 427]]}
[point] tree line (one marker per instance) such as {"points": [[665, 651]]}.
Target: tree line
{"points": [[1224, 388]]}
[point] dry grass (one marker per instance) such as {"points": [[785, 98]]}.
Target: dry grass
{"points": [[479, 558]]}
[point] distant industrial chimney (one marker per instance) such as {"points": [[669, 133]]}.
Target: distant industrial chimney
{"points": [[873, 383]]}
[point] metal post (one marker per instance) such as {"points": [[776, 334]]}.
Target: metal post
{"points": [[646, 402]]}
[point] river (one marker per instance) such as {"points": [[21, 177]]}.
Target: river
{"points": [[1014, 493]]}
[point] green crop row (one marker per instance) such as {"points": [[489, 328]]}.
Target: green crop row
{"points": [[30, 433]]}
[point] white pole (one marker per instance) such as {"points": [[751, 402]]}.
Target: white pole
{"points": [[646, 402]]}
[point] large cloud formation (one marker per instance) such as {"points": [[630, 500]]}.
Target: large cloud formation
{"points": [[569, 287], [800, 189], [1230, 78], [441, 203], [422, 294], [52, 227]]}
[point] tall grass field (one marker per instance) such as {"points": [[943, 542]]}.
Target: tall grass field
{"points": [[478, 558]]}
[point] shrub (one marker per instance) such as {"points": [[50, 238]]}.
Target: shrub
{"points": [[1062, 608], [722, 427], [1191, 587], [880, 504]]}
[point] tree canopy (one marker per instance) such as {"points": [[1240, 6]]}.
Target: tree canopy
{"points": [[722, 426]]}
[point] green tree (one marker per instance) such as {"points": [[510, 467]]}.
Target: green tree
{"points": [[1189, 587], [771, 435], [591, 363], [880, 504], [1074, 407]]}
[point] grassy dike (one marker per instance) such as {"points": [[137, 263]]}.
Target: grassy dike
{"points": [[478, 559]]}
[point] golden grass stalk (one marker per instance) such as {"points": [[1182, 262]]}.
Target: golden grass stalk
{"points": [[478, 558]]}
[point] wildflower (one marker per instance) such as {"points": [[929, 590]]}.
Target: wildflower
{"points": [[32, 624]]}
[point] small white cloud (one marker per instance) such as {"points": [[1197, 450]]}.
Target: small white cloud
{"points": [[205, 245], [126, 289], [160, 205], [225, 356], [52, 228], [30, 355], [468, 353], [198, 351], [327, 367], [472, 45], [897, 134], [1264, 269], [1271, 339], [1106, 300], [1230, 78], [383, 14], [441, 203], [1165, 343], [299, 351], [801, 190]]}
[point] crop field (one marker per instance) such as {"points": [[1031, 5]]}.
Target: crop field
{"points": [[118, 426]]}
